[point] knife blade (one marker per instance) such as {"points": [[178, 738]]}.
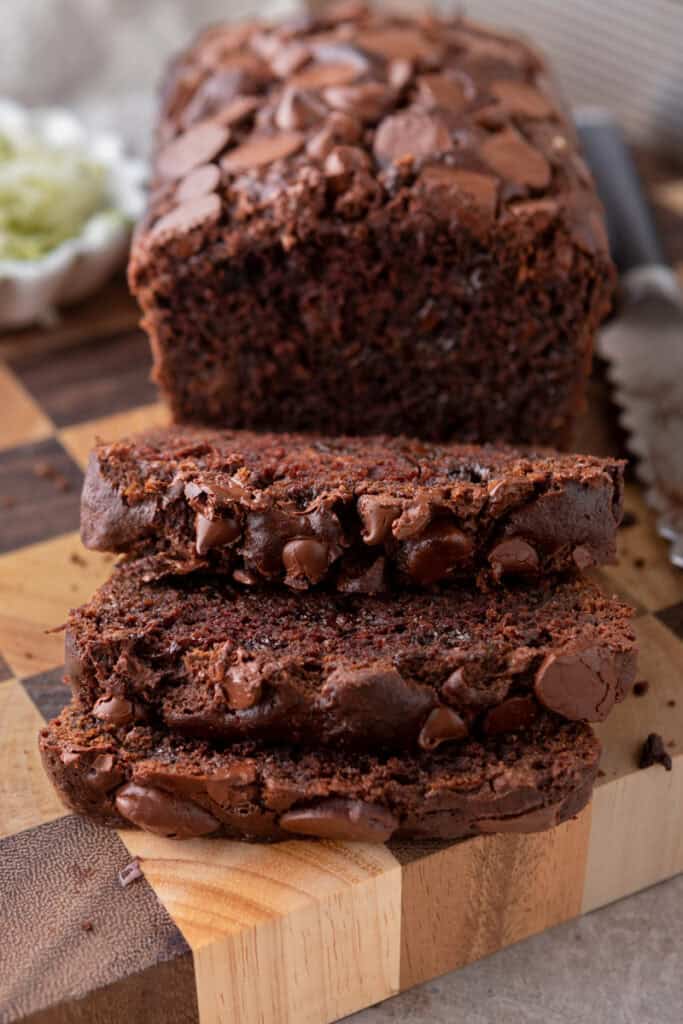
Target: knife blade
{"points": [[642, 344]]}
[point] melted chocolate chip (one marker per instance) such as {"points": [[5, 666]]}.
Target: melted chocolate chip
{"points": [[215, 533], [298, 110], [322, 76], [411, 133], [440, 549], [196, 146], [165, 814], [222, 784], [513, 158], [367, 102], [460, 186], [113, 710], [375, 699], [337, 818], [580, 685], [513, 556], [521, 99], [261, 150], [189, 215], [103, 774], [377, 513], [444, 91], [242, 683], [199, 182], [398, 43], [442, 724], [306, 561]]}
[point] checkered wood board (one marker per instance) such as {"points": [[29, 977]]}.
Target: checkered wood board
{"points": [[303, 932]]}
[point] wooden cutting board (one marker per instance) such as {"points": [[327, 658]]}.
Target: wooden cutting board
{"points": [[302, 932]]}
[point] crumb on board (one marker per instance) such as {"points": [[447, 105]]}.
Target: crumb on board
{"points": [[130, 873], [87, 926], [46, 471], [628, 519], [671, 703], [640, 688], [654, 752], [77, 559], [639, 563]]}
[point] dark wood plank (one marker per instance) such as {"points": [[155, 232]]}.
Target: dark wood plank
{"points": [[40, 486], [69, 927], [48, 691], [88, 380]]}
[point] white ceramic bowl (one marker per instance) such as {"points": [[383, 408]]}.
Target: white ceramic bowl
{"points": [[31, 290]]}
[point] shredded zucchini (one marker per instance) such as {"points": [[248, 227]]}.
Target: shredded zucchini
{"points": [[47, 194]]}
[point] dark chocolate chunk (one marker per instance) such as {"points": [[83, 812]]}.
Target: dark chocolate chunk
{"points": [[163, 813], [654, 752]]}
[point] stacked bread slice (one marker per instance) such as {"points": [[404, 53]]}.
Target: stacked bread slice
{"points": [[345, 638]]}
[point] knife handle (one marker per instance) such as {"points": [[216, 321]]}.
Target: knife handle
{"points": [[630, 225]]}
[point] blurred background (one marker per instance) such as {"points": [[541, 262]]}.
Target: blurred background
{"points": [[103, 58]]}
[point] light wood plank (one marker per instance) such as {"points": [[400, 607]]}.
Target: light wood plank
{"points": [[22, 419], [637, 834], [474, 898], [79, 440], [26, 796], [299, 933], [644, 574], [660, 663], [38, 586]]}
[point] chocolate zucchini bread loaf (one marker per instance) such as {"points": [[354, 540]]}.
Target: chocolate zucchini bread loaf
{"points": [[183, 788], [359, 514], [398, 672], [364, 223]]}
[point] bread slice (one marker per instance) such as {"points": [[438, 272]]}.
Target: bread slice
{"points": [[413, 669], [183, 788], [360, 514]]}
